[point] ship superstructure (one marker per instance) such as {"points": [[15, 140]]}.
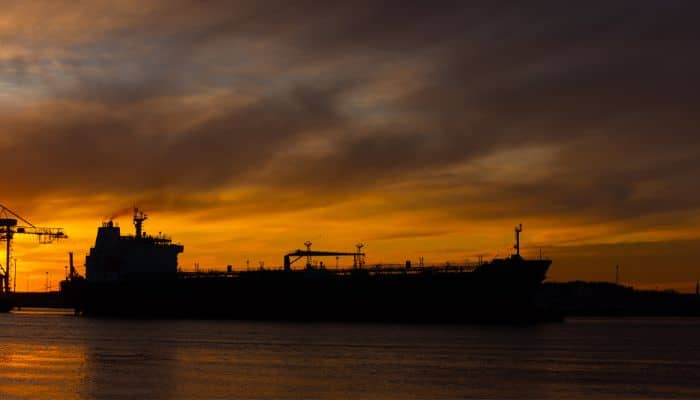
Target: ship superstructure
{"points": [[116, 258]]}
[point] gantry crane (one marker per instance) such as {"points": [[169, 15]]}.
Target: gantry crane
{"points": [[9, 227]]}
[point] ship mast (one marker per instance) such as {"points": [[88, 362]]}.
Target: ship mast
{"points": [[518, 230], [139, 217]]}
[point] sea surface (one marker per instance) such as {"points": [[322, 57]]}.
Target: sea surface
{"points": [[55, 355]]}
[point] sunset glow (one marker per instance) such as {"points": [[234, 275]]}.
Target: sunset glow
{"points": [[244, 130]]}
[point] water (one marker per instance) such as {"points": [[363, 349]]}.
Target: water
{"points": [[52, 355]]}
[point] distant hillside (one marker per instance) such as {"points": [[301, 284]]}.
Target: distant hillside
{"points": [[608, 299]]}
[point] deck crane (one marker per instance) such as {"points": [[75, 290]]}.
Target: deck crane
{"points": [[9, 226], [358, 256]]}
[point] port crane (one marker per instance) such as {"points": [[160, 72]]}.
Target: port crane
{"points": [[9, 227]]}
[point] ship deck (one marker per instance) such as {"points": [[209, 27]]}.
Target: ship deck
{"points": [[381, 269]]}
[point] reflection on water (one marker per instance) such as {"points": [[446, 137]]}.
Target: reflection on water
{"points": [[57, 355], [36, 371]]}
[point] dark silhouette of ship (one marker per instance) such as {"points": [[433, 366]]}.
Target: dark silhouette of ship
{"points": [[137, 276], [6, 304]]}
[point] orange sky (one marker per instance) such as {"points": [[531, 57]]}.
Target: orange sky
{"points": [[420, 129]]}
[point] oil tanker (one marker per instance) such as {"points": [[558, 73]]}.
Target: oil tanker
{"points": [[138, 276]]}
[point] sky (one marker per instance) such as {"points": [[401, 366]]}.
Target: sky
{"points": [[420, 128]]}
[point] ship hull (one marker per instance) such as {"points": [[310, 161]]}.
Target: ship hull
{"points": [[6, 303], [498, 292]]}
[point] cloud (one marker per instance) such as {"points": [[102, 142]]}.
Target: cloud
{"points": [[468, 111]]}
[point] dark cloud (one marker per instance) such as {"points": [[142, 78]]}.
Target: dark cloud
{"points": [[610, 87], [81, 147]]}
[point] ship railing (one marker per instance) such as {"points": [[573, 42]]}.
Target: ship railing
{"points": [[377, 269], [208, 274], [394, 269], [158, 240]]}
